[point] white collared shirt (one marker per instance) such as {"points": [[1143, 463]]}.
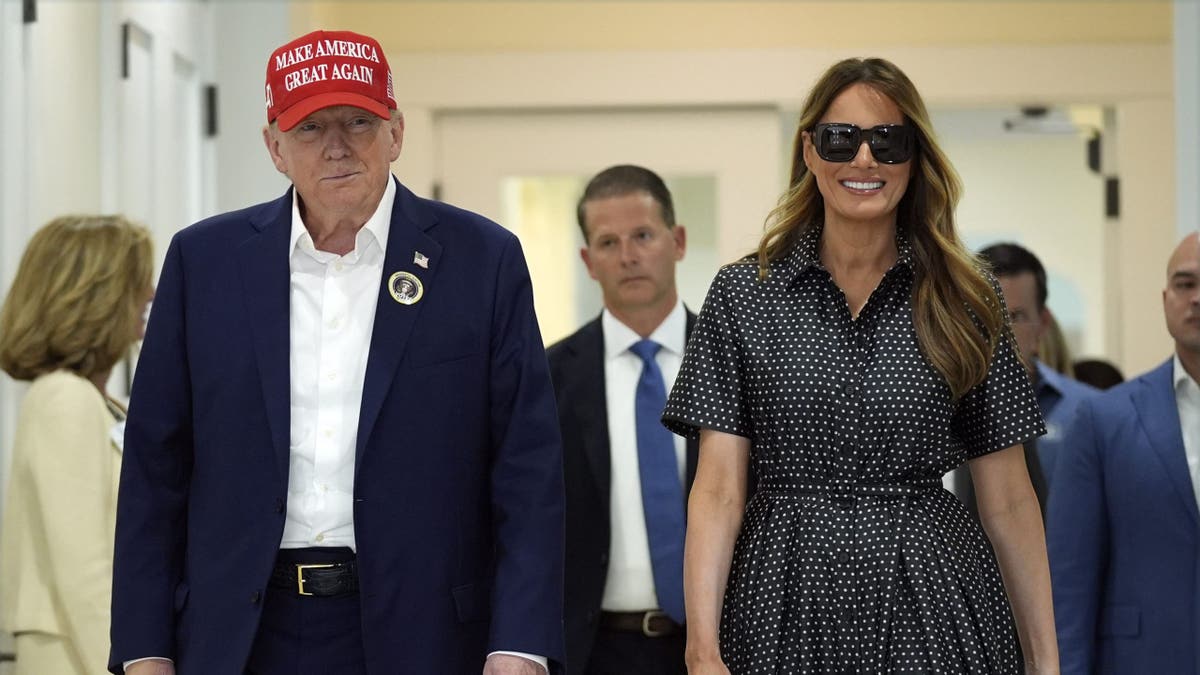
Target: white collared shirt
{"points": [[333, 301], [1187, 400], [630, 583]]}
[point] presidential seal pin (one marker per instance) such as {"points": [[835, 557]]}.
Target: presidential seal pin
{"points": [[405, 288]]}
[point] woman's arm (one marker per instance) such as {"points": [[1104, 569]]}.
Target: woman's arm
{"points": [[1012, 519], [715, 507]]}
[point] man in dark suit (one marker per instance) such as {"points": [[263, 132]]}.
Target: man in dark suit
{"points": [[1123, 531], [626, 476], [341, 454]]}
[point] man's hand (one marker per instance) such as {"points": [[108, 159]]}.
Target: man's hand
{"points": [[507, 664], [151, 667]]}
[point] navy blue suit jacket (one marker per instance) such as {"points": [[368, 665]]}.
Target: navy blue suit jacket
{"points": [[1122, 535], [458, 495]]}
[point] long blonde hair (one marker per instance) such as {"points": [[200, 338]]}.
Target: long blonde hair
{"points": [[956, 310], [76, 302]]}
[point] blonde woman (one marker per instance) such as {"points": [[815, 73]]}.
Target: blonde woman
{"points": [[860, 357], [75, 307]]}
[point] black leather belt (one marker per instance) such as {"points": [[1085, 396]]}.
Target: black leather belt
{"points": [[316, 579], [652, 623]]}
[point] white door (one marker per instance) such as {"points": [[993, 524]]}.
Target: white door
{"points": [[526, 170], [156, 156]]}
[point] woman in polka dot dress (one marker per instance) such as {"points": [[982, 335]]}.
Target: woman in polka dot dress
{"points": [[860, 357]]}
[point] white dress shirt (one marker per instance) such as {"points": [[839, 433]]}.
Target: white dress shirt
{"points": [[332, 311], [1187, 400], [630, 583]]}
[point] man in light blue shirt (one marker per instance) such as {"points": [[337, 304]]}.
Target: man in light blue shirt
{"points": [[1023, 281]]}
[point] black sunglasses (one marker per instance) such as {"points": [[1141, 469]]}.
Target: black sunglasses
{"points": [[889, 143]]}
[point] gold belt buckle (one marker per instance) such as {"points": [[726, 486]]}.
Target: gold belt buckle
{"points": [[647, 617], [300, 576]]}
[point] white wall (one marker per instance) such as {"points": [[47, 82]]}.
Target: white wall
{"points": [[60, 109], [1034, 188], [49, 157], [1187, 113], [249, 31], [13, 207]]}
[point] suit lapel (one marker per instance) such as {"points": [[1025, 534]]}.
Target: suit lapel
{"points": [[394, 322], [1154, 401], [266, 279], [591, 404]]}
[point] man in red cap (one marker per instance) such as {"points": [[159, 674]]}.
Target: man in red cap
{"points": [[342, 453]]}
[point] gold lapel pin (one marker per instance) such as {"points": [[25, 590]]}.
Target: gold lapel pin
{"points": [[405, 288]]}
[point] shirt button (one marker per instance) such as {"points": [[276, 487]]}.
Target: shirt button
{"points": [[851, 389], [320, 537], [848, 450], [331, 376], [846, 615], [255, 597], [328, 433], [337, 267], [843, 557], [333, 324]]}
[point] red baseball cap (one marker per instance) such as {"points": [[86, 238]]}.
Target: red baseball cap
{"points": [[327, 68]]}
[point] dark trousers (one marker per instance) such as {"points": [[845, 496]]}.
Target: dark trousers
{"points": [[630, 653], [306, 635]]}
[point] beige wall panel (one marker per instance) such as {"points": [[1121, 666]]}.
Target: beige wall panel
{"points": [[616, 26], [947, 76]]}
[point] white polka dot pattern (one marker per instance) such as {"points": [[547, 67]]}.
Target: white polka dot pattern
{"points": [[852, 558]]}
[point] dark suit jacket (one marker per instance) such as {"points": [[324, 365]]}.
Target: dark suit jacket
{"points": [[577, 369], [458, 498], [1123, 535]]}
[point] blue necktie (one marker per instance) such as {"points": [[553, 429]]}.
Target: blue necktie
{"points": [[662, 495]]}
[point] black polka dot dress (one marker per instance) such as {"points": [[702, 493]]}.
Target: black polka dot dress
{"points": [[852, 558]]}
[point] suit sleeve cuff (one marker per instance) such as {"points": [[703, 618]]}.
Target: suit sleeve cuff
{"points": [[540, 660], [125, 666]]}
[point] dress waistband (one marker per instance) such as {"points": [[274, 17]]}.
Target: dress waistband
{"points": [[793, 485]]}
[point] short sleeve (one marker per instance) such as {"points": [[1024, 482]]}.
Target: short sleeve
{"points": [[1001, 411], [710, 390]]}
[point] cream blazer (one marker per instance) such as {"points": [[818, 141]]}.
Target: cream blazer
{"points": [[56, 545]]}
